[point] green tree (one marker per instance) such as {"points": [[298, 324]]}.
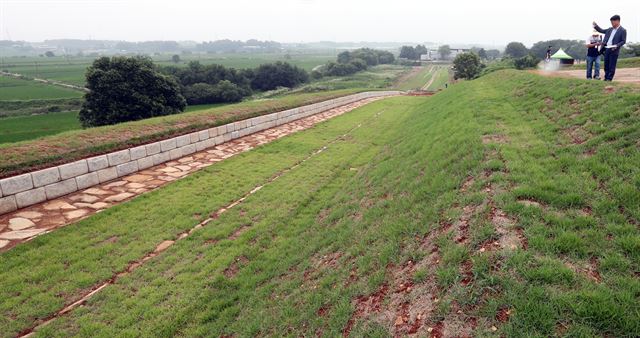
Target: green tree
{"points": [[127, 89], [420, 50], [175, 58], [408, 52], [444, 51], [482, 54], [467, 66], [493, 54], [49, 54], [279, 74], [516, 50]]}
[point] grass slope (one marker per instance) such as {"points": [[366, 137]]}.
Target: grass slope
{"points": [[419, 193], [622, 63]]}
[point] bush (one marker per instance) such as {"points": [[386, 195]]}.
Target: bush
{"points": [[280, 74], [525, 62], [127, 89], [467, 66], [204, 93]]}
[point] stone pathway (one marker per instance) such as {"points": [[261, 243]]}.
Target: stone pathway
{"points": [[25, 224]]}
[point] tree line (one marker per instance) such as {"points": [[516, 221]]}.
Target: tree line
{"points": [[133, 88], [351, 62]]}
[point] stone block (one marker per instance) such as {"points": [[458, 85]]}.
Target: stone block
{"points": [[97, 163], [87, 180], [189, 149], [119, 157], [183, 140], [161, 158], [203, 134], [61, 188], [107, 174], [218, 140], [30, 197], [153, 148], [45, 176], [145, 162], [213, 132], [167, 145], [222, 130], [73, 169], [16, 184], [194, 137], [8, 204], [138, 152], [175, 154], [127, 168]]}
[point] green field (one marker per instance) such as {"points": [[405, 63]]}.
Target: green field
{"points": [[19, 89], [21, 128], [506, 206], [72, 69]]}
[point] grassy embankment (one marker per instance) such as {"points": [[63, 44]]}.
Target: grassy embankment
{"points": [[506, 206]]}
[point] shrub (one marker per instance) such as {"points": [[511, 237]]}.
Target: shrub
{"points": [[204, 93], [467, 66], [279, 74], [525, 62], [127, 89]]}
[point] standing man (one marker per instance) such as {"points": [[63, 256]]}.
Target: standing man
{"points": [[593, 54], [614, 38]]}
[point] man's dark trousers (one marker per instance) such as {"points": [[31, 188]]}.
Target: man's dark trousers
{"points": [[610, 61]]}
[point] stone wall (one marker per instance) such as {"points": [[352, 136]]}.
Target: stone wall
{"points": [[31, 188]]}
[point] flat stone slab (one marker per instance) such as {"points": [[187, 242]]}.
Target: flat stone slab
{"points": [[21, 234], [20, 223]]}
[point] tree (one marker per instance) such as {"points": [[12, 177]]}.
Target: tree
{"points": [[408, 52], [420, 50], [467, 66], [525, 62], [493, 54], [204, 93], [175, 58], [444, 51], [279, 74], [482, 54], [344, 57], [516, 50], [49, 54], [127, 89]]}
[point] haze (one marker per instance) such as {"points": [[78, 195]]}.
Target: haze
{"points": [[492, 23]]}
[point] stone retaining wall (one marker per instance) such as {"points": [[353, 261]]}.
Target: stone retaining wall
{"points": [[31, 188]]}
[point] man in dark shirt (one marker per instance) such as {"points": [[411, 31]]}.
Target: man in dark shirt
{"points": [[593, 55], [614, 38]]}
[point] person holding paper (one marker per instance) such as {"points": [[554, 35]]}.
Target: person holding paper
{"points": [[614, 38]]}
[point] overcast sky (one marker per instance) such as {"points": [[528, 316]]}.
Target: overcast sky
{"points": [[489, 22]]}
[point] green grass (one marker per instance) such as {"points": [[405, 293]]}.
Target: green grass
{"points": [[369, 200], [14, 129], [19, 89], [416, 79], [441, 78], [72, 70]]}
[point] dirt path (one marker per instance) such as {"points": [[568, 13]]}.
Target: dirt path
{"points": [[25, 224], [434, 72], [624, 75]]}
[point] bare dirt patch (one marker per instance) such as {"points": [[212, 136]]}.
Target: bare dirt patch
{"points": [[495, 138], [233, 269]]}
